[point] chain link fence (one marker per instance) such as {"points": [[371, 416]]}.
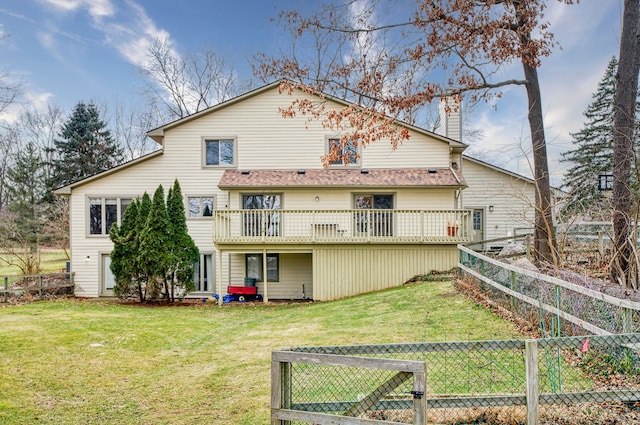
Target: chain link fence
{"points": [[571, 380], [556, 306]]}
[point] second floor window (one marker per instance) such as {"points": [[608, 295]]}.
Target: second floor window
{"points": [[219, 152], [346, 154]]}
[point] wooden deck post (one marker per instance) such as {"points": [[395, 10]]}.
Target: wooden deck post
{"points": [[264, 275], [219, 276]]}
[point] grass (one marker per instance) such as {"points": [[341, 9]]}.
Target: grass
{"points": [[100, 362], [52, 260]]}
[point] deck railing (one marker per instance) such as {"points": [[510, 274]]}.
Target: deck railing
{"points": [[342, 226]]}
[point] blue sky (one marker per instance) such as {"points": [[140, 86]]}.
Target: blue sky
{"points": [[65, 51]]}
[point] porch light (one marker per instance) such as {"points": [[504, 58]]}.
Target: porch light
{"points": [[490, 208], [87, 258], [317, 199]]}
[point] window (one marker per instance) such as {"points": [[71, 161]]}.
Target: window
{"points": [[375, 223], [258, 223], [103, 212], [200, 207], [219, 152], [254, 267], [204, 274], [477, 219], [347, 155], [605, 182]]}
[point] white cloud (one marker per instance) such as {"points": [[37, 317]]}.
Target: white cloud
{"points": [[96, 8], [128, 29], [132, 38], [47, 40], [37, 100]]}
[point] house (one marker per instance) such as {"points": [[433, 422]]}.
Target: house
{"points": [[260, 204]]}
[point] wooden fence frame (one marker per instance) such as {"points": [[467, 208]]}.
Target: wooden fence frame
{"points": [[282, 414], [282, 411], [5, 289]]}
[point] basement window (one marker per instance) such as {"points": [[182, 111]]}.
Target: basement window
{"points": [[254, 267]]}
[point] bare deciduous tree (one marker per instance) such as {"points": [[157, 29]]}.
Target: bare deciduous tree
{"points": [[391, 60], [10, 89], [9, 144], [179, 86], [130, 127], [42, 127]]}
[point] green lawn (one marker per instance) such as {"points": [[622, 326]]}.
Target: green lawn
{"points": [[100, 362]]}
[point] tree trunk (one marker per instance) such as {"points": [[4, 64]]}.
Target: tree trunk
{"points": [[623, 270], [544, 234]]}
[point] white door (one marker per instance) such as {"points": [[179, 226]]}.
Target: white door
{"points": [[478, 224], [106, 277]]}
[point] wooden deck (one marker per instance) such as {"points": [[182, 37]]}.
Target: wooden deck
{"points": [[342, 226]]}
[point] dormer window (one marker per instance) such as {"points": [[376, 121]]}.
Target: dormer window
{"points": [[346, 154]]}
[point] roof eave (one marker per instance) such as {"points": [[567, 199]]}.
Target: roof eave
{"points": [[66, 190], [284, 187]]}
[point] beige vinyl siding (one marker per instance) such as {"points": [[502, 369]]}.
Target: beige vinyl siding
{"points": [[296, 278], [512, 199], [266, 140], [345, 271], [340, 199], [425, 199]]}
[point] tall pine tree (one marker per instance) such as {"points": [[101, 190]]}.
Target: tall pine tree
{"points": [[154, 240], [124, 259], [182, 249], [85, 147], [592, 155]]}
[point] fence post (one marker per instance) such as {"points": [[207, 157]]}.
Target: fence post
{"points": [[558, 305], [514, 284], [531, 364], [6, 289], [420, 397], [40, 284], [601, 244], [527, 248], [627, 320], [280, 387]]}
